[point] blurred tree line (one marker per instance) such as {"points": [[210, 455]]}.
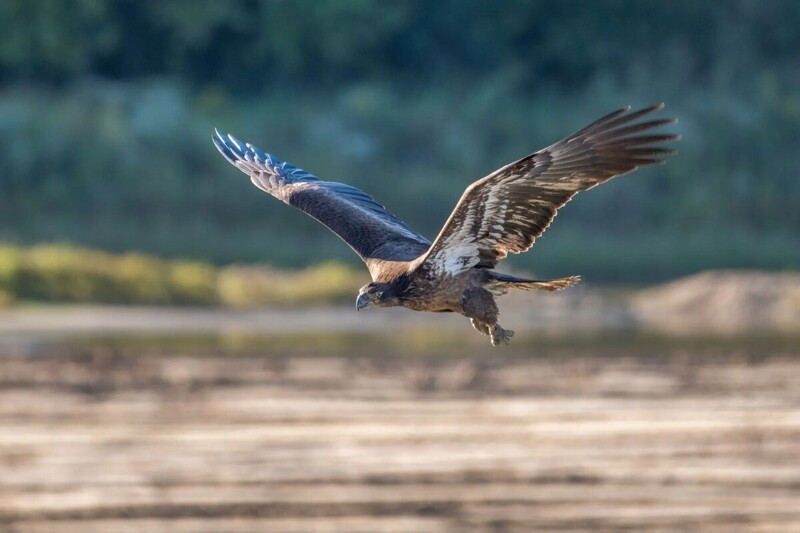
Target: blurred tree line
{"points": [[106, 110]]}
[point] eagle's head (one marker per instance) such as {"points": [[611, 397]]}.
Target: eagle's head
{"points": [[376, 294]]}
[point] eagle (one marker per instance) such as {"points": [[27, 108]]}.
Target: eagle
{"points": [[504, 212]]}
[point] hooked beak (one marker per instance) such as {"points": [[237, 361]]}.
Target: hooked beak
{"points": [[362, 301]]}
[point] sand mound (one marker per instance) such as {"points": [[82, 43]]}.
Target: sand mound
{"points": [[722, 301]]}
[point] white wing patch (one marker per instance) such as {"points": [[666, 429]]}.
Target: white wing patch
{"points": [[461, 257], [461, 249]]}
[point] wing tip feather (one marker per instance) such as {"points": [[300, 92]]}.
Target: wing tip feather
{"points": [[242, 155]]}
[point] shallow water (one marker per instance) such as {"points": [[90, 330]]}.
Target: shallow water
{"points": [[425, 342]]}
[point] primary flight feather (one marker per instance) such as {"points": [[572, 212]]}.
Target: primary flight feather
{"points": [[504, 212]]}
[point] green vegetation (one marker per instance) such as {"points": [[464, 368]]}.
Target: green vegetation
{"points": [[106, 111], [68, 274], [253, 286]]}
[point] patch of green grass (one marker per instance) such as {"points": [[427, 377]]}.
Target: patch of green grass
{"points": [[60, 273], [5, 299], [251, 286]]}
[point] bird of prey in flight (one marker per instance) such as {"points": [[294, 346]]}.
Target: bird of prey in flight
{"points": [[504, 212]]}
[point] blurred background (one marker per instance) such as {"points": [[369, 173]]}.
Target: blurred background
{"points": [[179, 350]]}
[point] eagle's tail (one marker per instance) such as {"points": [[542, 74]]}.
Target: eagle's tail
{"points": [[502, 282]]}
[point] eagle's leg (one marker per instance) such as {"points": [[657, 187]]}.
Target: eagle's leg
{"points": [[500, 334], [478, 304], [481, 327]]}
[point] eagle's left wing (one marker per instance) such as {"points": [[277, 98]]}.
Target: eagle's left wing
{"points": [[507, 210], [374, 233]]}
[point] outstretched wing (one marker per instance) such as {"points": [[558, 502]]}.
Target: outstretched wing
{"points": [[374, 233], [505, 211]]}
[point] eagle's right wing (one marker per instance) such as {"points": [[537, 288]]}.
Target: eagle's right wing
{"points": [[508, 209], [374, 233]]}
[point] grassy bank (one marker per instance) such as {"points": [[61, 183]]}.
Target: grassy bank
{"points": [[58, 273]]}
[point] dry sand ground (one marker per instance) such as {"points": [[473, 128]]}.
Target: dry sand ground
{"points": [[104, 441], [587, 431]]}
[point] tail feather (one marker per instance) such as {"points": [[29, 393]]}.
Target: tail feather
{"points": [[506, 281]]}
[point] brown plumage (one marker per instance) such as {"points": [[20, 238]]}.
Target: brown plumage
{"points": [[502, 213]]}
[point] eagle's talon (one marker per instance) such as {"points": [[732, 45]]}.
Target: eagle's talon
{"points": [[501, 335]]}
